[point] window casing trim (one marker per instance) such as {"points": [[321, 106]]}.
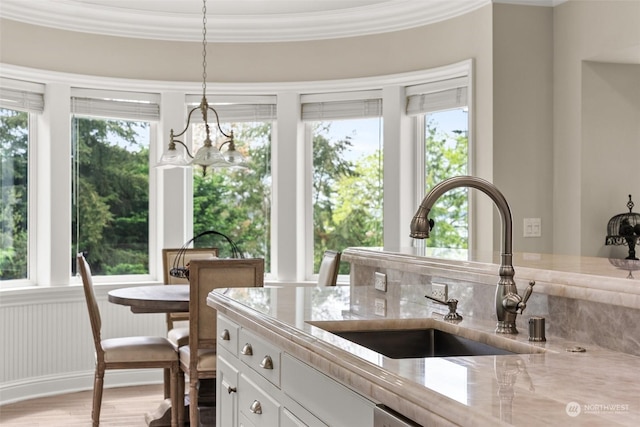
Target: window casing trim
{"points": [[289, 257]]}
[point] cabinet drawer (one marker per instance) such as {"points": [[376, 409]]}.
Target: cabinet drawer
{"points": [[244, 421], [290, 420], [227, 334], [256, 405], [261, 356], [301, 418], [333, 403]]}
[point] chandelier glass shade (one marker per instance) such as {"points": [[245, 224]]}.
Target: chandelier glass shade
{"points": [[208, 156]]}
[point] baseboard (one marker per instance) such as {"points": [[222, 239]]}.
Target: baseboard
{"points": [[34, 387]]}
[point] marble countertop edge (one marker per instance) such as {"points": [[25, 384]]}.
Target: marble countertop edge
{"points": [[424, 406]]}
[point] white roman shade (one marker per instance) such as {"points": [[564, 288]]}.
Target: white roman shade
{"points": [[355, 105], [22, 96], [437, 96], [115, 105], [235, 109]]}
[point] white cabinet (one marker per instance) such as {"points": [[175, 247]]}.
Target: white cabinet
{"points": [[290, 420], [259, 385], [333, 403], [256, 404], [262, 356], [226, 392]]}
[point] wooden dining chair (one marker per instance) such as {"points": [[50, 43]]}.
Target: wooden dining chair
{"points": [[178, 323], [198, 359], [328, 273], [126, 352], [178, 333]]}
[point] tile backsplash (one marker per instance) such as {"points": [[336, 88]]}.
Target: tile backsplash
{"points": [[603, 324]]}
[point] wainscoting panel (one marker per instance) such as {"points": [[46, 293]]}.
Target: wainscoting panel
{"points": [[47, 345]]}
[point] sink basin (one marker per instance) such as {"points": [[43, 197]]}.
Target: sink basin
{"points": [[418, 343]]}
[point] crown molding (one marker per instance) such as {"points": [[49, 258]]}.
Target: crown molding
{"points": [[113, 20]]}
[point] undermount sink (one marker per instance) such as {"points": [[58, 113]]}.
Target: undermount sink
{"points": [[418, 343]]}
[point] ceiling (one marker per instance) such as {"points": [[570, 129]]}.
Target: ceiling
{"points": [[240, 20]]}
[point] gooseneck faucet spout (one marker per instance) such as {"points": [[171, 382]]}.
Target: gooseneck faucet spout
{"points": [[507, 301]]}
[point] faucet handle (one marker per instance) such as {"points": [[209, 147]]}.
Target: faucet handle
{"points": [[525, 297]]}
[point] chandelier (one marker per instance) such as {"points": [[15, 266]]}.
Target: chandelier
{"points": [[208, 156]]}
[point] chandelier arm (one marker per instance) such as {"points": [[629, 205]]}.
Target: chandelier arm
{"points": [[188, 121], [218, 122], [184, 145]]}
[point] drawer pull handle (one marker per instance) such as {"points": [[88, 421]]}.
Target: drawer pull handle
{"points": [[256, 407], [267, 362], [247, 350], [227, 386], [225, 336]]}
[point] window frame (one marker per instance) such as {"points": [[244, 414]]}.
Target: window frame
{"points": [[168, 207], [370, 104], [264, 110], [463, 80], [135, 106], [32, 103]]}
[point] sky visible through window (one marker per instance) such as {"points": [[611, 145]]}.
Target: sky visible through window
{"points": [[366, 134]]}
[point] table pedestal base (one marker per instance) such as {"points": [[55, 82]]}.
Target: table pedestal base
{"points": [[161, 417]]}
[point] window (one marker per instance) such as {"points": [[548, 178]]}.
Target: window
{"points": [[443, 128], [329, 185], [14, 136], [18, 102], [237, 202], [110, 183], [346, 141]]}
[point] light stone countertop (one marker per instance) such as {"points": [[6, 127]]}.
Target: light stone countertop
{"points": [[547, 386]]}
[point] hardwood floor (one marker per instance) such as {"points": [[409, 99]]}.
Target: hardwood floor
{"points": [[125, 406]]}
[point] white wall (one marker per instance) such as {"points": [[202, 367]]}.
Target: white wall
{"points": [[587, 31], [523, 117], [610, 150]]}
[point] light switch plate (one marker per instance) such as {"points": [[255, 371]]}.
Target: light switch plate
{"points": [[532, 227], [380, 281]]}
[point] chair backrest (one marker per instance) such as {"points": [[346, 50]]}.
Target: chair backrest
{"points": [[169, 258], [169, 261], [206, 275], [90, 297], [328, 274]]}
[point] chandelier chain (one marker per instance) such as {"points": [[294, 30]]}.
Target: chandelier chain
{"points": [[204, 48]]}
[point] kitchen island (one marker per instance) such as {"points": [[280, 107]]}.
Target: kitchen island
{"points": [[541, 384]]}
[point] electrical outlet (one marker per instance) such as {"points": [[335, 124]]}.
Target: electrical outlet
{"points": [[380, 307], [439, 291], [380, 281]]}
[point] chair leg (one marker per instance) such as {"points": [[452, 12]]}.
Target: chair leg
{"points": [[194, 419], [175, 405], [98, 384], [167, 383], [180, 396]]}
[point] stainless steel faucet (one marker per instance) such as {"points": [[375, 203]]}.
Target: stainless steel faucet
{"points": [[508, 302]]}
